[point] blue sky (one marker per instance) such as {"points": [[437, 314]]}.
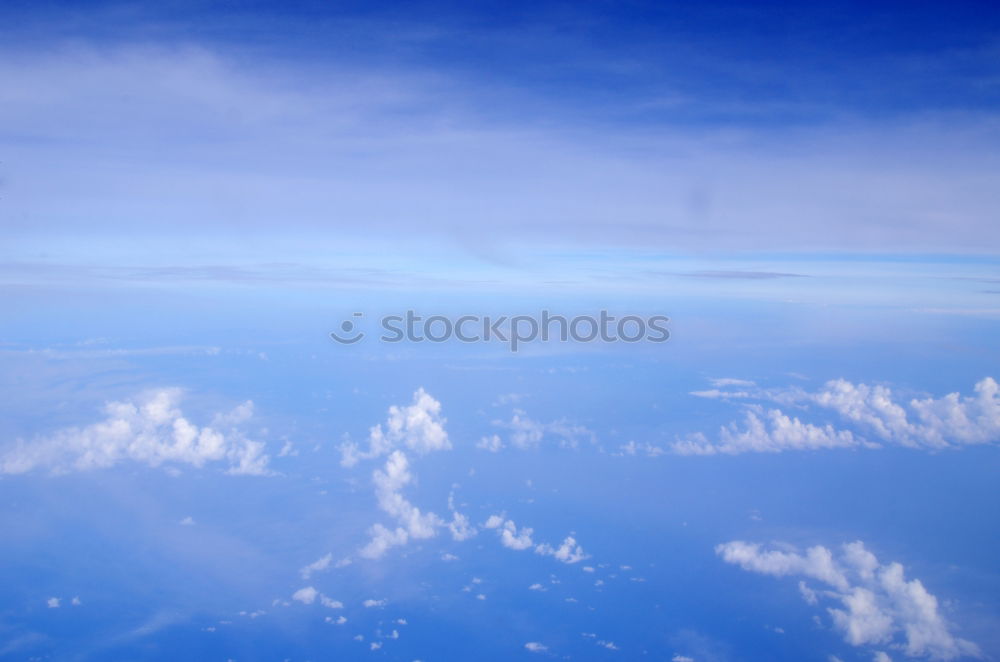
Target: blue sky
{"points": [[193, 196]]}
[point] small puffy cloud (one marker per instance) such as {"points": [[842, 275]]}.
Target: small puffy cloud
{"points": [[76, 601], [329, 602], [524, 432], [448, 557], [413, 523], [681, 658], [536, 647], [510, 536], [340, 620], [373, 603], [151, 430], [318, 565], [418, 427], [768, 431], [460, 527], [568, 552], [52, 603], [881, 656], [187, 521], [874, 603], [610, 645], [375, 645], [306, 595], [537, 587], [491, 443]]}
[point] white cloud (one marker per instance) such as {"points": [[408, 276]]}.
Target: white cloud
{"points": [[525, 432], [418, 427], [306, 595], [645, 448], [53, 603], [187, 521], [610, 645], [877, 605], [370, 602], [768, 432], [510, 536], [536, 647], [730, 381], [329, 602], [568, 552], [681, 658], [76, 602], [491, 443], [412, 522], [951, 421], [151, 430], [460, 527], [316, 566]]}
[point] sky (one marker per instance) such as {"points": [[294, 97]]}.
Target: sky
{"points": [[199, 201]]}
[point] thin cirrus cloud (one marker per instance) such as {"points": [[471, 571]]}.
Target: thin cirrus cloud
{"points": [[151, 430], [242, 140], [949, 422], [873, 603]]}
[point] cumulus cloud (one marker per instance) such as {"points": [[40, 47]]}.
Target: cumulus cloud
{"points": [[417, 427], [510, 536], [568, 552], [768, 431], [306, 595], [316, 566], [521, 539], [951, 421], [873, 603], [524, 432], [491, 443], [413, 524], [150, 429], [536, 647]]}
